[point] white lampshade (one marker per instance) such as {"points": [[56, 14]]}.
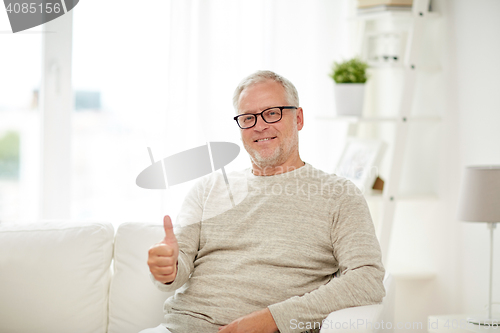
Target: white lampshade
{"points": [[480, 194]]}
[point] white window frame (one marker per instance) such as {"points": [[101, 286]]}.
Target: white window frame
{"points": [[56, 98]]}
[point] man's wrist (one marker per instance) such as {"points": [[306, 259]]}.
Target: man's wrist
{"points": [[270, 320]]}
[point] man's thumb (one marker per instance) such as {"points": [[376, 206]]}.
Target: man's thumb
{"points": [[169, 229]]}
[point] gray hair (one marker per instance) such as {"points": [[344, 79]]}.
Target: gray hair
{"points": [[291, 94]]}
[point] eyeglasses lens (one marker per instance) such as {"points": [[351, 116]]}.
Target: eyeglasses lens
{"points": [[272, 115], [246, 121]]}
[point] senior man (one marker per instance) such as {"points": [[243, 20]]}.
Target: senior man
{"points": [[300, 245]]}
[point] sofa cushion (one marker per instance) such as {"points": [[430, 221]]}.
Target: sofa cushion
{"points": [[134, 302], [55, 277]]}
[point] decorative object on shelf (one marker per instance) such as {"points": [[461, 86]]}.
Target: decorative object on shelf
{"points": [[360, 161], [350, 77], [479, 202], [378, 185], [384, 49]]}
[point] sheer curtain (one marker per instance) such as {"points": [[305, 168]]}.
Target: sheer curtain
{"points": [[214, 44], [166, 72]]}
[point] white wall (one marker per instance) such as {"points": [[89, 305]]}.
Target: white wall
{"points": [[474, 108], [470, 136], [428, 235]]}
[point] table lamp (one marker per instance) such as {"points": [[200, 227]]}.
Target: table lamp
{"points": [[480, 202]]}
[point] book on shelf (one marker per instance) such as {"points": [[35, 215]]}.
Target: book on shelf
{"points": [[371, 3]]}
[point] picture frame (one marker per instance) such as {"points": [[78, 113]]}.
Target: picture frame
{"points": [[360, 161]]}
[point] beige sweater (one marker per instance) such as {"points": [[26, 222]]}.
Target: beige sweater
{"points": [[279, 247]]}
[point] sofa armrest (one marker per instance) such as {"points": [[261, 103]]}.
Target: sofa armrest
{"points": [[364, 319], [359, 319]]}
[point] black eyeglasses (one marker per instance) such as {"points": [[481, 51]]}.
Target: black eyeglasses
{"points": [[271, 115]]}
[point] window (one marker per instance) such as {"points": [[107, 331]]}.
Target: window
{"points": [[119, 83], [20, 77]]}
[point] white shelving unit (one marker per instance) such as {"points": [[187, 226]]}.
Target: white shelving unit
{"points": [[403, 119]]}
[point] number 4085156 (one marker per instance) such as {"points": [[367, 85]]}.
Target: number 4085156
{"points": [[34, 8]]}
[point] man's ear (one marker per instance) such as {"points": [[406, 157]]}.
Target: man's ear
{"points": [[300, 118]]}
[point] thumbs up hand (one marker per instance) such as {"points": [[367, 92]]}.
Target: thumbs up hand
{"points": [[162, 259]]}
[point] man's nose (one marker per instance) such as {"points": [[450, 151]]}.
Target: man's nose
{"points": [[261, 124]]}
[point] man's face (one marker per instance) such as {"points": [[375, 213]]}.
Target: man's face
{"points": [[269, 145]]}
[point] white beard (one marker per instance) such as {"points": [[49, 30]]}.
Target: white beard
{"points": [[278, 157]]}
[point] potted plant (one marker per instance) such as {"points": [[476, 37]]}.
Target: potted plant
{"points": [[350, 77]]}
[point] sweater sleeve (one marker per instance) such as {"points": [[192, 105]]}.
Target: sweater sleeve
{"points": [[358, 254], [187, 231]]}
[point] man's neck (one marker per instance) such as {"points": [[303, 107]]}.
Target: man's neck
{"points": [[278, 169]]}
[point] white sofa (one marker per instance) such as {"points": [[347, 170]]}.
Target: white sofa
{"points": [[84, 277]]}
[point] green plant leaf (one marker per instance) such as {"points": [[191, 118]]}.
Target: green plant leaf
{"points": [[349, 71]]}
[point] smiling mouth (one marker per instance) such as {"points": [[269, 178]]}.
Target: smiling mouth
{"points": [[265, 139]]}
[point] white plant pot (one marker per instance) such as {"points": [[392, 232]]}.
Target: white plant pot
{"points": [[349, 98]]}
